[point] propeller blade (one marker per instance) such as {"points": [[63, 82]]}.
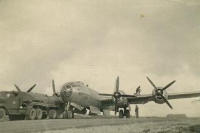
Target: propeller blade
{"points": [[17, 87], [117, 84], [29, 90], [152, 83], [166, 101], [116, 106], [53, 87], [168, 85]]}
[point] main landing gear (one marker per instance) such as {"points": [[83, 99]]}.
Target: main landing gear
{"points": [[124, 113]]}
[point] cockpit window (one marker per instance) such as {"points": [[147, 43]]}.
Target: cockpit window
{"points": [[76, 84]]}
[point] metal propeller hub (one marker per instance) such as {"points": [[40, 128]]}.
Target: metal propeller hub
{"points": [[159, 92], [117, 95]]}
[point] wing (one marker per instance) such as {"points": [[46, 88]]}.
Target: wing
{"points": [[132, 99], [107, 102], [183, 95], [140, 99]]}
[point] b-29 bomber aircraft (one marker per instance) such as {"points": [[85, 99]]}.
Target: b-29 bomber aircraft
{"points": [[80, 97]]}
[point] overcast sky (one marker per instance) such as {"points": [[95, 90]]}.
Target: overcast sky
{"points": [[96, 40]]}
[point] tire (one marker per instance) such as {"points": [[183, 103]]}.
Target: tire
{"points": [[2, 114], [121, 114], [31, 114], [39, 114], [127, 114], [52, 114]]}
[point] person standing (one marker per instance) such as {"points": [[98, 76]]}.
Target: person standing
{"points": [[138, 91], [136, 111]]}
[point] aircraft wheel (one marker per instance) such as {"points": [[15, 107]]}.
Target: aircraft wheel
{"points": [[127, 113], [31, 114], [52, 114], [39, 114], [121, 114], [2, 114]]}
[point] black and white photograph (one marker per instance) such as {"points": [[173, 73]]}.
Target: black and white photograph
{"points": [[99, 66]]}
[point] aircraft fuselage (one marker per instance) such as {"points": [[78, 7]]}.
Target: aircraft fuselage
{"points": [[77, 92]]}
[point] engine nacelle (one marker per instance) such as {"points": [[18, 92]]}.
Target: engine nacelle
{"points": [[157, 98], [122, 101]]}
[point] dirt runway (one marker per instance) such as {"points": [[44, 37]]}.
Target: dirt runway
{"points": [[63, 124]]}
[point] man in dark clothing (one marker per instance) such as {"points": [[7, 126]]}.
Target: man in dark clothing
{"points": [[136, 111], [138, 91]]}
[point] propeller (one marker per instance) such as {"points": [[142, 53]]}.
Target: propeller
{"points": [[17, 87], [116, 94], [159, 92], [29, 90], [54, 88]]}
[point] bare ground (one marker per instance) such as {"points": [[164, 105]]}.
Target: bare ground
{"points": [[101, 125]]}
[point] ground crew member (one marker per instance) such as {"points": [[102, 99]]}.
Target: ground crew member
{"points": [[138, 91], [136, 111]]}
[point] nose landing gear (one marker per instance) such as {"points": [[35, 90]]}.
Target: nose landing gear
{"points": [[69, 111]]}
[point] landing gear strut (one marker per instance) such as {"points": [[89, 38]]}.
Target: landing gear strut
{"points": [[69, 112], [125, 112]]}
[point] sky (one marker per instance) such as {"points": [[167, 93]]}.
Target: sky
{"points": [[95, 41]]}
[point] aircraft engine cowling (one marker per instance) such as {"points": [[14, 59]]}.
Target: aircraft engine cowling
{"points": [[160, 94], [121, 101], [157, 95], [66, 92]]}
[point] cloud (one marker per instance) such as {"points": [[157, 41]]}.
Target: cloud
{"points": [[95, 41]]}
